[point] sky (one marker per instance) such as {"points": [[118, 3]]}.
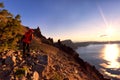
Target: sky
{"points": [[78, 20]]}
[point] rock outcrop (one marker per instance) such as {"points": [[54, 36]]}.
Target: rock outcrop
{"points": [[69, 43]]}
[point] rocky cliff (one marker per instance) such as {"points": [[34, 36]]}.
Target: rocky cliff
{"points": [[46, 61]]}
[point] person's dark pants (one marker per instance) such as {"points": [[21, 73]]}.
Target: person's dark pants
{"points": [[26, 47]]}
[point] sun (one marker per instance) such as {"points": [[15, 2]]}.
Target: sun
{"points": [[110, 31]]}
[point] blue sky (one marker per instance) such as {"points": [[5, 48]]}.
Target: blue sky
{"points": [[78, 20]]}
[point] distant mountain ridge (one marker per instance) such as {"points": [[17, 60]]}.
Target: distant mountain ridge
{"points": [[75, 45]]}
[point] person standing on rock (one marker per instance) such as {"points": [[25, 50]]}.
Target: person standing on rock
{"points": [[28, 36]]}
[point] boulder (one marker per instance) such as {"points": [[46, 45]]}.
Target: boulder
{"points": [[38, 68], [43, 59], [9, 61], [35, 75]]}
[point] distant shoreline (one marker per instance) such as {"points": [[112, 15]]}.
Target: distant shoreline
{"points": [[84, 44], [75, 45]]}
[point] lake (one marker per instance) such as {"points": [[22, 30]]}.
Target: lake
{"points": [[105, 57]]}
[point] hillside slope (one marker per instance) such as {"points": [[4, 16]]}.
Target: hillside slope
{"points": [[48, 63]]}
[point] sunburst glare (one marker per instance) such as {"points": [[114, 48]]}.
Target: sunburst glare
{"points": [[110, 31]]}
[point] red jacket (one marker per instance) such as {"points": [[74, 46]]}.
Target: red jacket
{"points": [[27, 37]]}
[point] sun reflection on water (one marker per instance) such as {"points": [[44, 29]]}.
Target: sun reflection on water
{"points": [[111, 54]]}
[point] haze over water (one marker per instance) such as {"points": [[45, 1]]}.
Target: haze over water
{"points": [[105, 57]]}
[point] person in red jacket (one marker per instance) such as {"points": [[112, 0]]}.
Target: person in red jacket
{"points": [[27, 40]]}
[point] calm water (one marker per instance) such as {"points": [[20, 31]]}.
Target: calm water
{"points": [[106, 58]]}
